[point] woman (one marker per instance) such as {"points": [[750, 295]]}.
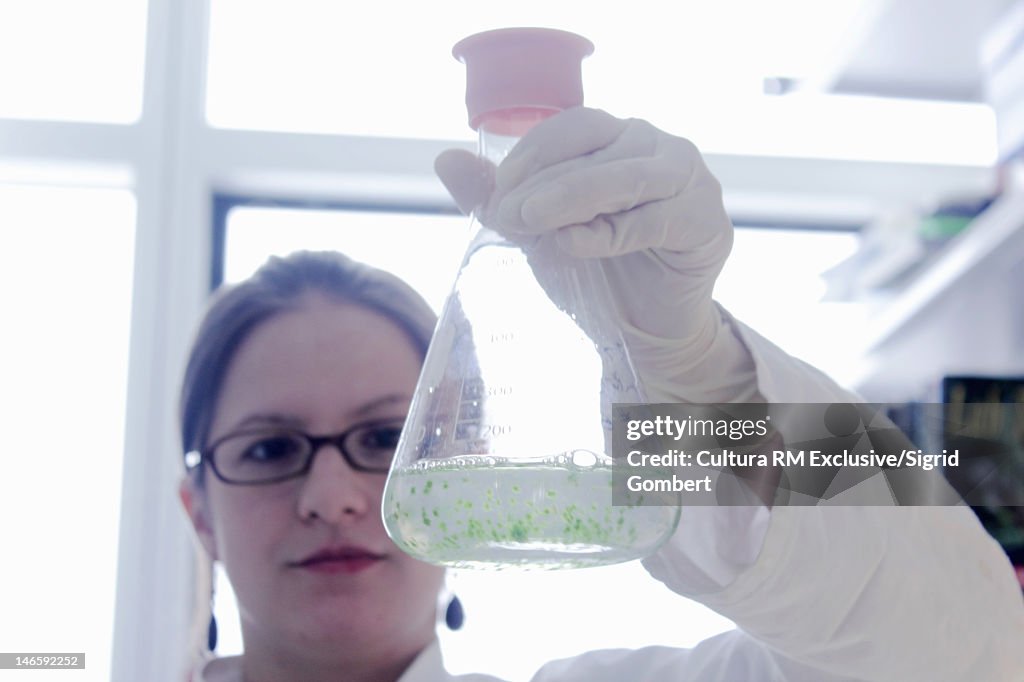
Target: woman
{"points": [[313, 362], [314, 344]]}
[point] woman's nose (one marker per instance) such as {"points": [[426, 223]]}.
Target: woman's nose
{"points": [[332, 491]]}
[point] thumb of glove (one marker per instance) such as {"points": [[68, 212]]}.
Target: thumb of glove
{"points": [[468, 178]]}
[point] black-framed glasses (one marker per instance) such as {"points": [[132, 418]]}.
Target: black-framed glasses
{"points": [[272, 454]]}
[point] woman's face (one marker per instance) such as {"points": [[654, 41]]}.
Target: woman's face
{"points": [[320, 370]]}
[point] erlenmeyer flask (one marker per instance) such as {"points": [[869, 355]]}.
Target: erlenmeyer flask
{"points": [[505, 457]]}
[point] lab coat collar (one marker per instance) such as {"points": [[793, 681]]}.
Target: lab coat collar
{"points": [[428, 666]]}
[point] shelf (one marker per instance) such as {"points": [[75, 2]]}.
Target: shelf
{"points": [[994, 239]]}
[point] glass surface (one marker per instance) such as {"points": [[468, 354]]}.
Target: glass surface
{"points": [[65, 285], [70, 60]]}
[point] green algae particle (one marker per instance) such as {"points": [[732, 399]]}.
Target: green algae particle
{"points": [[519, 532], [436, 512], [444, 485], [412, 490], [552, 493], [427, 486], [426, 519], [475, 529], [515, 488]]}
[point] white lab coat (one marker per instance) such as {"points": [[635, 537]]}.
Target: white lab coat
{"points": [[835, 593]]}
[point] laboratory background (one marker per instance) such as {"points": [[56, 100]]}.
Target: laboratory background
{"points": [[869, 152]]}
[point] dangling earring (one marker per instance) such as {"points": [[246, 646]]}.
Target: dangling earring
{"points": [[454, 616], [211, 630]]}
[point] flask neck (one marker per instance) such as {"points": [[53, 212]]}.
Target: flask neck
{"points": [[500, 130]]}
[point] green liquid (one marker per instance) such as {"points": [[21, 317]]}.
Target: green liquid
{"points": [[525, 515]]}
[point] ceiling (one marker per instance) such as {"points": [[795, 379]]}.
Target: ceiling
{"points": [[924, 49]]}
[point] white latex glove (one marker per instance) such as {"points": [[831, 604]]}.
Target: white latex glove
{"points": [[586, 184]]}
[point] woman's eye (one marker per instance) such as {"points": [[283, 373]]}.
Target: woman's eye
{"points": [[273, 449], [382, 438]]}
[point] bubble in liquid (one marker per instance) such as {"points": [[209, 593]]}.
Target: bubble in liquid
{"points": [[584, 458]]}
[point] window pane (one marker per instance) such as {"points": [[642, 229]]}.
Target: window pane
{"points": [[72, 60], [316, 66], [425, 250], [330, 69], [773, 282], [65, 284]]}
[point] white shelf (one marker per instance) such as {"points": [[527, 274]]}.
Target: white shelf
{"points": [[993, 240], [960, 315]]}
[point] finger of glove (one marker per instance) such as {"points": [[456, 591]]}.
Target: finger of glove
{"points": [[468, 178], [581, 195], [696, 238], [642, 164], [568, 135], [626, 139], [643, 227]]}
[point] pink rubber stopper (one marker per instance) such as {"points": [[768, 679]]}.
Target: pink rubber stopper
{"points": [[519, 70]]}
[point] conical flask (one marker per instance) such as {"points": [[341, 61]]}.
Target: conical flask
{"points": [[504, 459]]}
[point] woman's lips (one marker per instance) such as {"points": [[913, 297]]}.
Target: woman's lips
{"points": [[341, 560]]}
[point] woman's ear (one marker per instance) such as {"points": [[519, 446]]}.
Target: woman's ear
{"points": [[193, 498]]}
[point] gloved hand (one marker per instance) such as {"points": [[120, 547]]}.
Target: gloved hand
{"points": [[585, 184]]}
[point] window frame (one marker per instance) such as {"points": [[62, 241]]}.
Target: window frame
{"points": [[224, 203]]}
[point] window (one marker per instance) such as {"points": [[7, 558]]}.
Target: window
{"points": [[772, 282], [425, 249], [66, 258], [72, 61], [314, 66]]}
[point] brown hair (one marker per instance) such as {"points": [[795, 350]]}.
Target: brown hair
{"points": [[279, 286]]}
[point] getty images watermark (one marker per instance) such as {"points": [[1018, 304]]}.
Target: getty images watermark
{"points": [[800, 454]]}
